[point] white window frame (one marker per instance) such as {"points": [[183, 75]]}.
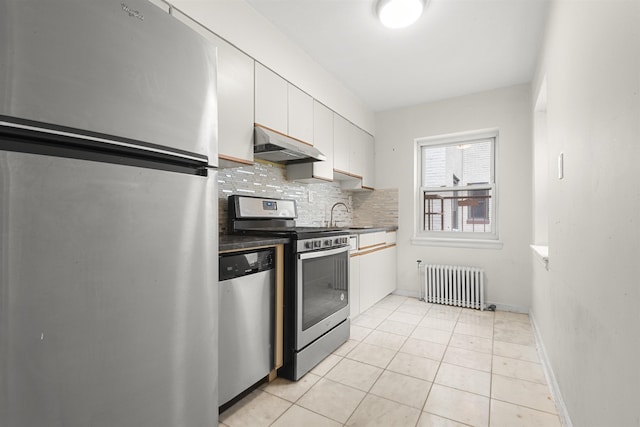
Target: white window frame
{"points": [[488, 240]]}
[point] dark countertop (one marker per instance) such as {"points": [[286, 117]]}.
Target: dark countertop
{"points": [[234, 242], [372, 229], [231, 242]]}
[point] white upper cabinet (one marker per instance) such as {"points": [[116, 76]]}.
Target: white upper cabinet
{"points": [[271, 100], [235, 102], [282, 107], [353, 156], [235, 98], [356, 151], [368, 156], [300, 117], [323, 141], [342, 131]]}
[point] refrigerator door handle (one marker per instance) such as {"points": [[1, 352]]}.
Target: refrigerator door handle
{"points": [[111, 141]]}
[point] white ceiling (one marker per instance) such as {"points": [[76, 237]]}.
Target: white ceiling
{"points": [[457, 47]]}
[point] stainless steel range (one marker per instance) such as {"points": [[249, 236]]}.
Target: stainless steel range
{"points": [[316, 307]]}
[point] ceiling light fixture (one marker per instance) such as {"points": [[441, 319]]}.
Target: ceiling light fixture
{"points": [[399, 13]]}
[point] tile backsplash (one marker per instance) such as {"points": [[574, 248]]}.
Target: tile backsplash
{"points": [[314, 201], [379, 207]]}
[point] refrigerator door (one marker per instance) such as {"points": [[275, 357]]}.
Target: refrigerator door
{"points": [[119, 68], [108, 298]]}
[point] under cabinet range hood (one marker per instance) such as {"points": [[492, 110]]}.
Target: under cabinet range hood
{"points": [[275, 147]]}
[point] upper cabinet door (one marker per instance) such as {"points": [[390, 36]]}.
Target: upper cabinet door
{"points": [[368, 173], [356, 151], [235, 98], [341, 143], [271, 100], [323, 140], [300, 115]]}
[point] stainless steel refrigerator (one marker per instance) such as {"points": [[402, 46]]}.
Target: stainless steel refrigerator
{"points": [[108, 217]]}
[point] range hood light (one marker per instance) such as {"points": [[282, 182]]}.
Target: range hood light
{"points": [[399, 13]]}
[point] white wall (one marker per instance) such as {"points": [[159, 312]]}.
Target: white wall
{"points": [[586, 307], [508, 270], [239, 24]]}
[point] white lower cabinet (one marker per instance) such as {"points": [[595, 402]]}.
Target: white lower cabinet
{"points": [[354, 286], [376, 276]]}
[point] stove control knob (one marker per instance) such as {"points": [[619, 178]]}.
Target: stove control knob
{"points": [[338, 241], [308, 245], [317, 243], [327, 242]]}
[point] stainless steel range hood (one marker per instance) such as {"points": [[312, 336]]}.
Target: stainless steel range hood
{"points": [[278, 148]]}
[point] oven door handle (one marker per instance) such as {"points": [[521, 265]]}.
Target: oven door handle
{"points": [[318, 254]]}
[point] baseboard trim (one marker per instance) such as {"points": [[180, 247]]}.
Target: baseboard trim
{"points": [[508, 307], [406, 293], [501, 307], [563, 412]]}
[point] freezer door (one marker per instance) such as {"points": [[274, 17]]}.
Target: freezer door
{"points": [[122, 68], [108, 303]]}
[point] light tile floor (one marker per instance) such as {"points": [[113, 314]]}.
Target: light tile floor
{"points": [[410, 363]]}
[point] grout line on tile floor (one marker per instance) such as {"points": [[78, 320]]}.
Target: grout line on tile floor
{"points": [[475, 328]]}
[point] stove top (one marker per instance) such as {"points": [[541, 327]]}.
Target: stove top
{"points": [[297, 232], [299, 229]]}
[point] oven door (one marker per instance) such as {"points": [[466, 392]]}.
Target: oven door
{"points": [[322, 288]]}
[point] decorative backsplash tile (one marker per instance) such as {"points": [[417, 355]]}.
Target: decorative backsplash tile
{"points": [[379, 207], [314, 201]]}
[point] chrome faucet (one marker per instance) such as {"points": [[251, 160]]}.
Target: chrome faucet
{"points": [[331, 223]]}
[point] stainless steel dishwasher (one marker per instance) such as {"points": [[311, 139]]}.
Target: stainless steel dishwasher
{"points": [[247, 300]]}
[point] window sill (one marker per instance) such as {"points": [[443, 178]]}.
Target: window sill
{"points": [[542, 252], [457, 243]]}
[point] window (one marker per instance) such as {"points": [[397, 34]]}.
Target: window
{"points": [[479, 209], [454, 208], [456, 188]]}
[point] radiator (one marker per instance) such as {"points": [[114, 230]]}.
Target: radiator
{"points": [[454, 285]]}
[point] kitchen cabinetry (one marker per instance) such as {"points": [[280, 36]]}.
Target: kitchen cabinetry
{"points": [[282, 107], [354, 285], [377, 275], [342, 136], [356, 152], [300, 115], [250, 93], [376, 270], [367, 150], [235, 98], [353, 156], [271, 99], [323, 141]]}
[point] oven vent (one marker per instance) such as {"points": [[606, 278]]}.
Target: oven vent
{"points": [[454, 285]]}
